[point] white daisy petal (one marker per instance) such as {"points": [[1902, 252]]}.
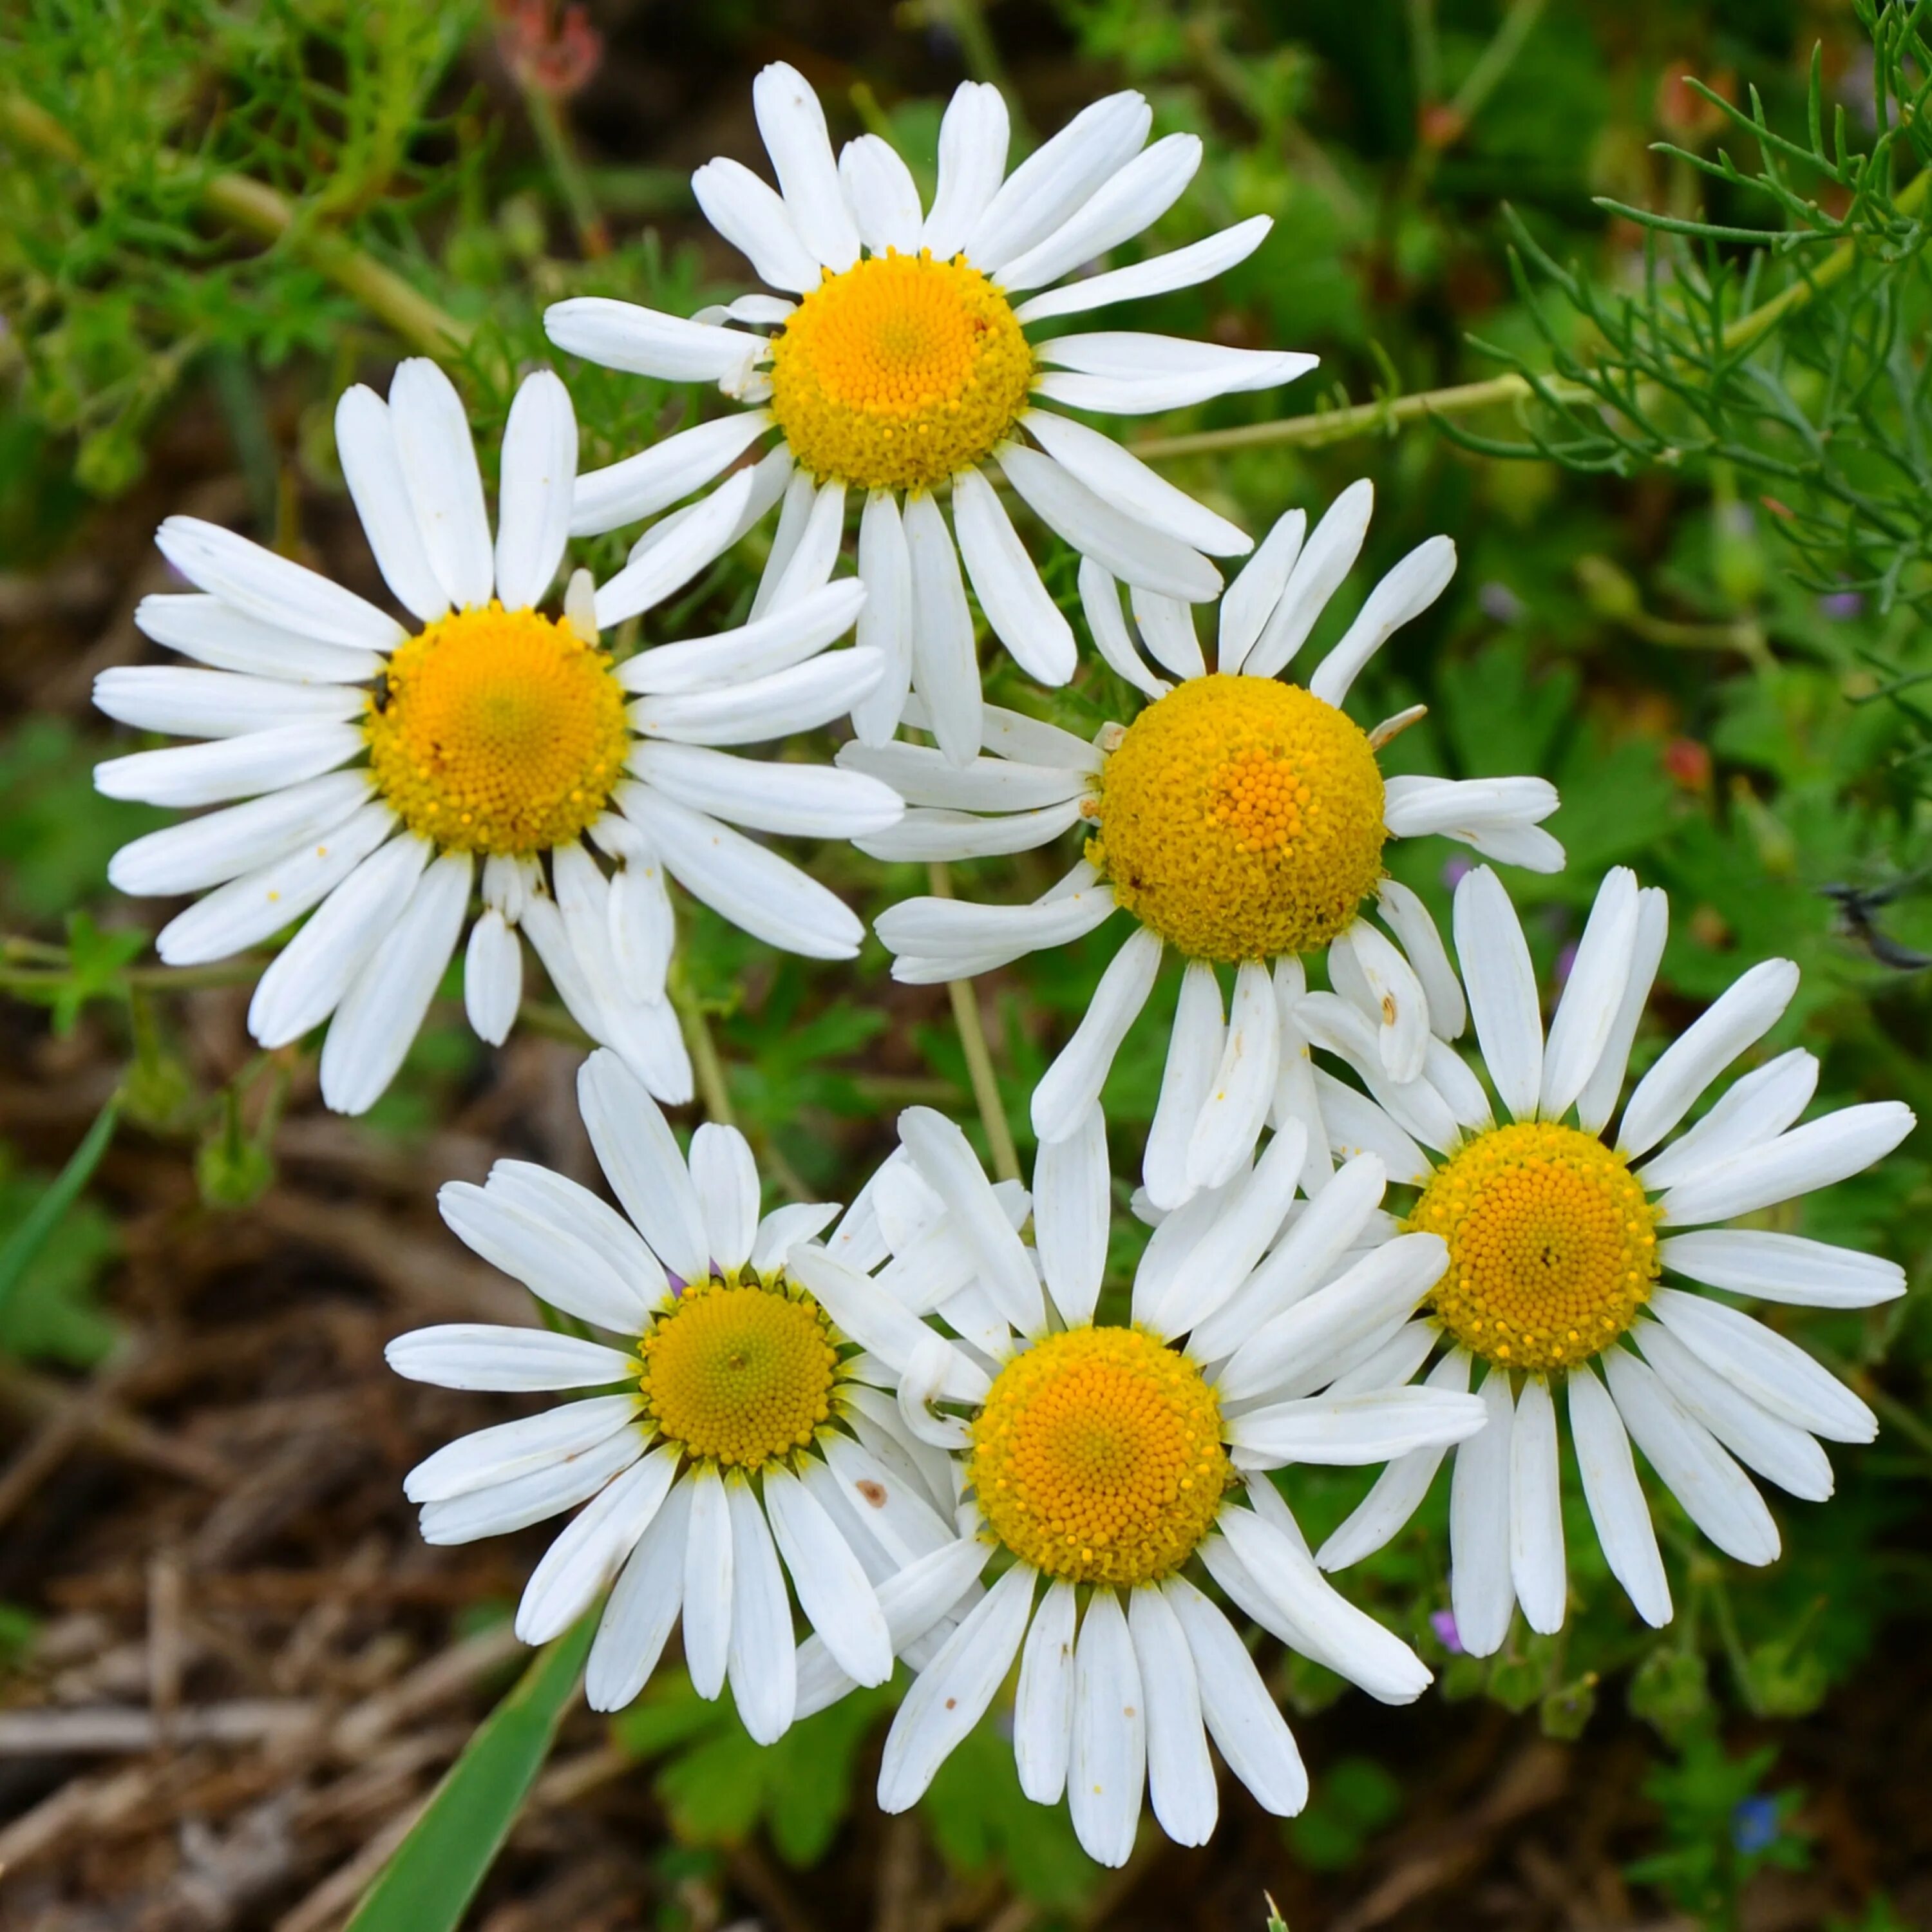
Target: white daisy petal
{"points": [[1326, 558], [801, 499], [883, 196], [754, 219], [1167, 630], [1180, 1777], [925, 777], [1755, 1109], [1743, 1014], [271, 588], [1784, 1267], [726, 1178], [1240, 1712], [1818, 1154], [1125, 373], [1598, 1099], [973, 137], [480, 1355], [1072, 1197], [705, 531], [533, 500], [222, 845], [947, 1164], [1416, 804], [534, 1497], [548, 1259], [258, 904], [643, 1610], [1255, 1206], [950, 1696], [811, 564], [229, 768], [1774, 1371], [1398, 1490], [621, 335], [1375, 1426], [784, 1228], [1615, 1497], [1121, 543], [1193, 1058], [1107, 1770], [945, 664], [1069, 1088], [304, 983], [1716, 1495], [709, 1551], [959, 930], [438, 465], [1536, 1566], [1056, 179], [659, 475], [488, 1456], [1127, 203], [765, 896], [762, 1660], [365, 445], [1100, 603], [929, 835], [793, 124], [583, 1561], [1182, 268], [1120, 479], [1527, 847], [1230, 1119], [215, 633], [1007, 583], [639, 1157], [383, 1008], [1593, 995], [1251, 599], [1357, 1126], [1400, 598], [891, 1509], [493, 977], [772, 644], [565, 1208], [833, 1591], [1482, 1590], [1400, 1003], [1778, 1450], [885, 624], [1502, 985], [879, 1324], [1412, 925], [1043, 1704], [801, 801]]}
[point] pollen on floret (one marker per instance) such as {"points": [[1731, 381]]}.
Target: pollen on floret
{"points": [[1553, 1245], [899, 372], [1098, 1457], [497, 731], [1241, 818], [740, 1373]]}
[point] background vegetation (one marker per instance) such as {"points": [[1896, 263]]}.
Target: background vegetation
{"points": [[1652, 349]]}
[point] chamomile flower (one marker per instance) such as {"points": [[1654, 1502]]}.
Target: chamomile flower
{"points": [[1582, 1261], [1239, 819], [1095, 1463], [736, 1440], [898, 361], [383, 770]]}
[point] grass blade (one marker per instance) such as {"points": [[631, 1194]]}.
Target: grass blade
{"points": [[30, 1236]]}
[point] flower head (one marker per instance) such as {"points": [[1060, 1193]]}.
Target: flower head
{"points": [[1237, 818], [898, 363], [1581, 1261], [388, 774]]}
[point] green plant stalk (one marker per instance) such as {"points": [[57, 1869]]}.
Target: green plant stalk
{"points": [[428, 1885], [45, 1215], [978, 1055], [257, 209], [572, 183], [1385, 417]]}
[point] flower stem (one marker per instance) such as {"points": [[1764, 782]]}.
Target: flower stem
{"points": [[979, 1056]]}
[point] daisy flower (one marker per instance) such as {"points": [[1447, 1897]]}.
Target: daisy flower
{"points": [[386, 772], [898, 360], [1096, 1463], [737, 1438], [1581, 1261], [1239, 818]]}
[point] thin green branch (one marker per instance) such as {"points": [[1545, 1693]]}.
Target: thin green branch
{"points": [[978, 1055]]}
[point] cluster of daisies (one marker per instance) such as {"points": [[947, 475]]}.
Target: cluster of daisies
{"points": [[907, 1427]]}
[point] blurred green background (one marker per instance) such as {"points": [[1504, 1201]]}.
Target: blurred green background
{"points": [[1694, 575]]}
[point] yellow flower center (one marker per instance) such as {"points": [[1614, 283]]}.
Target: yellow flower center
{"points": [[497, 731], [1241, 818], [740, 1373], [1553, 1245], [899, 372], [1098, 1457]]}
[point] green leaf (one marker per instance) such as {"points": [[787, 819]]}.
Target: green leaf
{"points": [[40, 1221], [428, 1885]]}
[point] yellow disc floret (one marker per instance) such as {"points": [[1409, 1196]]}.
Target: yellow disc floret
{"points": [[1241, 818], [1098, 1457], [497, 731], [740, 1373], [1553, 1245], [899, 372]]}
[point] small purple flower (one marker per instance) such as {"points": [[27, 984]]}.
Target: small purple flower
{"points": [[1566, 964], [1843, 604], [1754, 1825], [1455, 870], [1499, 602], [1443, 1623]]}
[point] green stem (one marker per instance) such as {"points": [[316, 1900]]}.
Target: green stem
{"points": [[572, 183], [978, 1055], [706, 1065], [30, 1236], [258, 209]]}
